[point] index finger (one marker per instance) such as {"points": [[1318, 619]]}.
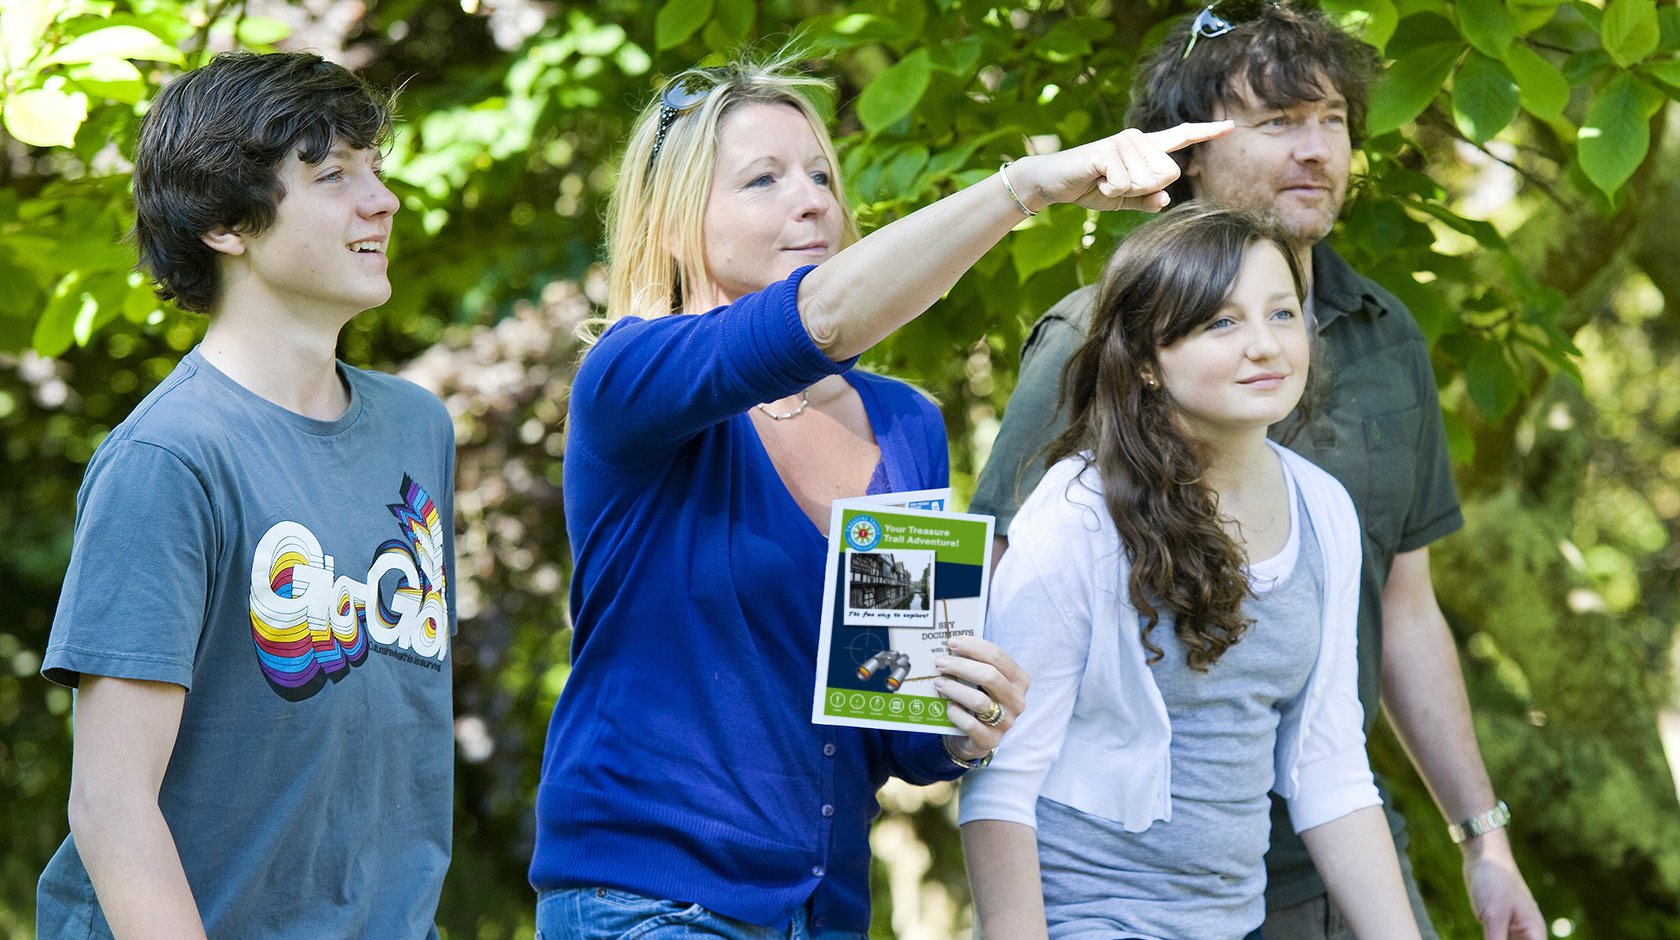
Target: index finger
{"points": [[1177, 138]]}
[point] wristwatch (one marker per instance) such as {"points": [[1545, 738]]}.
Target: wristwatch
{"points": [[975, 764], [1496, 818]]}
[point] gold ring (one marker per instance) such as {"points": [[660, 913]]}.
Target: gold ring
{"points": [[993, 716]]}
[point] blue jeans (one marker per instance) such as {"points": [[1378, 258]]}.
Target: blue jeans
{"points": [[608, 914]]}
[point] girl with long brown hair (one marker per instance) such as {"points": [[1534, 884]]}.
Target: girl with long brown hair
{"points": [[1183, 592]]}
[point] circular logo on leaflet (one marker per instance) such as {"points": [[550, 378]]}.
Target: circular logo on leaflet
{"points": [[863, 533]]}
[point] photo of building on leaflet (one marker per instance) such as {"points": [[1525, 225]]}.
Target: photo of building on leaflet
{"points": [[879, 581]]}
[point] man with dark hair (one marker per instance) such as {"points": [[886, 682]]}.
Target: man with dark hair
{"points": [[262, 522], [1296, 88]]}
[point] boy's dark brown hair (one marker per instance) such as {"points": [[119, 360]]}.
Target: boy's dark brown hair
{"points": [[211, 145]]}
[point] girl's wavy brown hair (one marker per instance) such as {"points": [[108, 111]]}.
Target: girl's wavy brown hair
{"points": [[1168, 278]]}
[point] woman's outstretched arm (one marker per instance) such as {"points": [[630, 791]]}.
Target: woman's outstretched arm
{"points": [[854, 300]]}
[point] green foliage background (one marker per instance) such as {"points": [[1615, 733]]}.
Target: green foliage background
{"points": [[1514, 189]]}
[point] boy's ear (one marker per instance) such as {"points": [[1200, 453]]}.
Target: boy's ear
{"points": [[224, 240]]}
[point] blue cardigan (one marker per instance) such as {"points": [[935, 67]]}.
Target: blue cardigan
{"points": [[681, 762]]}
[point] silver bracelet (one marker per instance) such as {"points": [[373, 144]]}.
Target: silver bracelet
{"points": [[1003, 172], [1497, 818]]}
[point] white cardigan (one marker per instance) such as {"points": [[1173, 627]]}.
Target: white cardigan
{"points": [[1095, 735]]}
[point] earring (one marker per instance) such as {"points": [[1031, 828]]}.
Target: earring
{"points": [[1151, 383]]}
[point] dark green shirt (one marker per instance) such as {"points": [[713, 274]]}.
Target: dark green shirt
{"points": [[1376, 427]]}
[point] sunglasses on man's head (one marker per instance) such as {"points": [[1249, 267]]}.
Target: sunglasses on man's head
{"points": [[680, 96], [1217, 19]]}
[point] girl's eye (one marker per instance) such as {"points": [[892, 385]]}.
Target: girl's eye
{"points": [[763, 179], [820, 178], [1220, 323], [332, 176], [1283, 313]]}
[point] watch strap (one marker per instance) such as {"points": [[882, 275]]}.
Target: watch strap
{"points": [[1480, 824]]}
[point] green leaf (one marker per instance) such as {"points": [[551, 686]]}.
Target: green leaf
{"points": [[1409, 86], [1484, 97], [43, 117], [893, 93], [1665, 72], [55, 330], [947, 162], [1419, 30], [736, 17], [1530, 15], [898, 178], [960, 58], [1432, 314], [1487, 25], [21, 27], [1371, 20], [102, 302], [1615, 136], [1584, 67], [678, 20], [1063, 43], [1489, 379], [1051, 237], [1378, 226], [1651, 98], [262, 30], [1482, 231], [1540, 85], [1460, 442], [116, 79], [116, 42], [1668, 25], [1631, 30], [1546, 348]]}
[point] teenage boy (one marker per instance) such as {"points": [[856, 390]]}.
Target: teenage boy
{"points": [[1296, 88], [258, 610]]}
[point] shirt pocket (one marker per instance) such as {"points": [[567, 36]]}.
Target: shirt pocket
{"points": [[1391, 446]]}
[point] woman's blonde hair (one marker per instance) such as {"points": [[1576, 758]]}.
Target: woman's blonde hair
{"points": [[656, 218]]}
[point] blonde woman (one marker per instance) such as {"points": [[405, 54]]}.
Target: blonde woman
{"points": [[684, 788]]}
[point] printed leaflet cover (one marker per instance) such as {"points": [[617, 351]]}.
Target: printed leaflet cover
{"points": [[904, 577]]}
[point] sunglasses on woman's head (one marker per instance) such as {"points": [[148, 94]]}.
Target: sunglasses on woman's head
{"points": [[1217, 19], [682, 95]]}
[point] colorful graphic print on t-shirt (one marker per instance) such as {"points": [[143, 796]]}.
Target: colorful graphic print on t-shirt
{"points": [[311, 624]]}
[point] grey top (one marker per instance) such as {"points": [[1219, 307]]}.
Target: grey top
{"points": [[1375, 425], [1199, 874], [294, 576]]}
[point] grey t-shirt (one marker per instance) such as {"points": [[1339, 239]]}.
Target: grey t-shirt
{"points": [[1199, 874], [295, 576], [1376, 428]]}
